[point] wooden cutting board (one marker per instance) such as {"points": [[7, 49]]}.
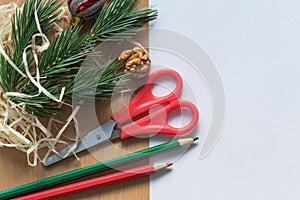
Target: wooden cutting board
{"points": [[14, 170]]}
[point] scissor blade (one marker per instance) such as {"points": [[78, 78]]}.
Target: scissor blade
{"points": [[93, 138], [98, 135]]}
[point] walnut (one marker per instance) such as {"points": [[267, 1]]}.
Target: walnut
{"points": [[136, 55], [137, 62], [125, 55], [138, 49]]}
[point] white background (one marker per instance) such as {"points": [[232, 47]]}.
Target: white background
{"points": [[256, 48]]}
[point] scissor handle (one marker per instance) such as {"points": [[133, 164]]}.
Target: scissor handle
{"points": [[157, 122], [145, 99]]}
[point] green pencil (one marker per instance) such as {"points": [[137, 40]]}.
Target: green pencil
{"points": [[148, 152]]}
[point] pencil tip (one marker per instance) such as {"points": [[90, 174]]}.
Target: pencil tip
{"points": [[161, 166], [196, 138]]}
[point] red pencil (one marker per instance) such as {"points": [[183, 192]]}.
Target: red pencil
{"points": [[92, 183]]}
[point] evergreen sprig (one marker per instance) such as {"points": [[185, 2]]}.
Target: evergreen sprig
{"points": [[23, 28], [98, 81], [60, 64]]}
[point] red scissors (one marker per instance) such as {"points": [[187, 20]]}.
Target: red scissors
{"points": [[153, 123]]}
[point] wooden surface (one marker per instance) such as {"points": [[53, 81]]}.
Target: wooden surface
{"points": [[14, 170]]}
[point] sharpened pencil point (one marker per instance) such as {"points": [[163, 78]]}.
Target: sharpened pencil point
{"points": [[196, 138], [161, 166], [169, 164]]}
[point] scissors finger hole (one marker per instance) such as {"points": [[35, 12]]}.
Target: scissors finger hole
{"points": [[179, 118], [163, 86]]}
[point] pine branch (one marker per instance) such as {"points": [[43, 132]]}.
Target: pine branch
{"points": [[118, 21], [98, 81], [121, 19], [61, 63], [23, 28], [114, 21]]}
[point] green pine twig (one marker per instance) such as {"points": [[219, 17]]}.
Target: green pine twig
{"points": [[60, 64], [23, 28]]}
